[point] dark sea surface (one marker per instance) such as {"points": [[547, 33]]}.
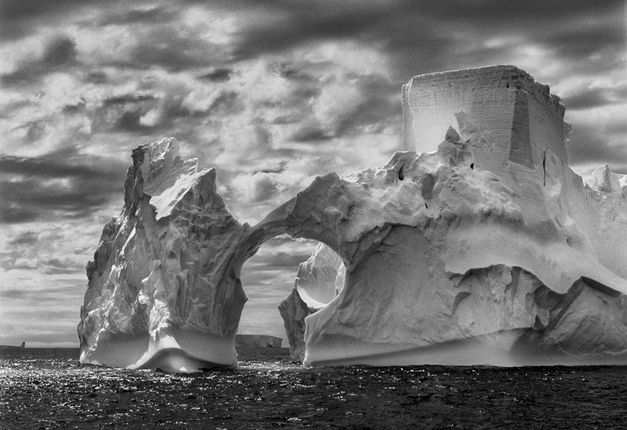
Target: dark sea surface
{"points": [[47, 388]]}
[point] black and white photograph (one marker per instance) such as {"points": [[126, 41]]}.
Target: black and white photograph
{"points": [[349, 214]]}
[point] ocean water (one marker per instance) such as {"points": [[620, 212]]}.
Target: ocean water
{"points": [[48, 389]]}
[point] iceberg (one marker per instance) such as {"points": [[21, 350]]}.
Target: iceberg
{"points": [[488, 250]]}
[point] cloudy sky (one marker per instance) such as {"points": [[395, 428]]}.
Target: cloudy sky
{"points": [[272, 93]]}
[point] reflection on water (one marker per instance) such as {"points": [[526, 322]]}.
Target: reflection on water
{"points": [[48, 389]]}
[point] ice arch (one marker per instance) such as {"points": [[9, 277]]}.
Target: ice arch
{"points": [[323, 212], [280, 268], [164, 287]]}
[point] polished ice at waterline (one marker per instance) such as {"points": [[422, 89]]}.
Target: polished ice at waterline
{"points": [[489, 250]]}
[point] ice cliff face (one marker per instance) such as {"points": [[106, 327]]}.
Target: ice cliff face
{"points": [[488, 250]]}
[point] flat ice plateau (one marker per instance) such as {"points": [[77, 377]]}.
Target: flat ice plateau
{"points": [[488, 250]]}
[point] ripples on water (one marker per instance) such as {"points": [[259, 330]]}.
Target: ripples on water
{"points": [[48, 389]]}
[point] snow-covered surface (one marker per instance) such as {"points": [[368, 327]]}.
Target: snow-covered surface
{"points": [[489, 250]]}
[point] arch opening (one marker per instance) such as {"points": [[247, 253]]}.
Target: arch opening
{"points": [[285, 281]]}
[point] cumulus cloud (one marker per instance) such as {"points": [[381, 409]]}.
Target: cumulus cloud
{"points": [[24, 238], [44, 188], [217, 75], [598, 137], [58, 54], [148, 14]]}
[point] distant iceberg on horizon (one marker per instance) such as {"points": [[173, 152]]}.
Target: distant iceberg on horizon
{"points": [[488, 250]]}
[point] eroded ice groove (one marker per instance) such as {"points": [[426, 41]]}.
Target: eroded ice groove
{"points": [[488, 243]]}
